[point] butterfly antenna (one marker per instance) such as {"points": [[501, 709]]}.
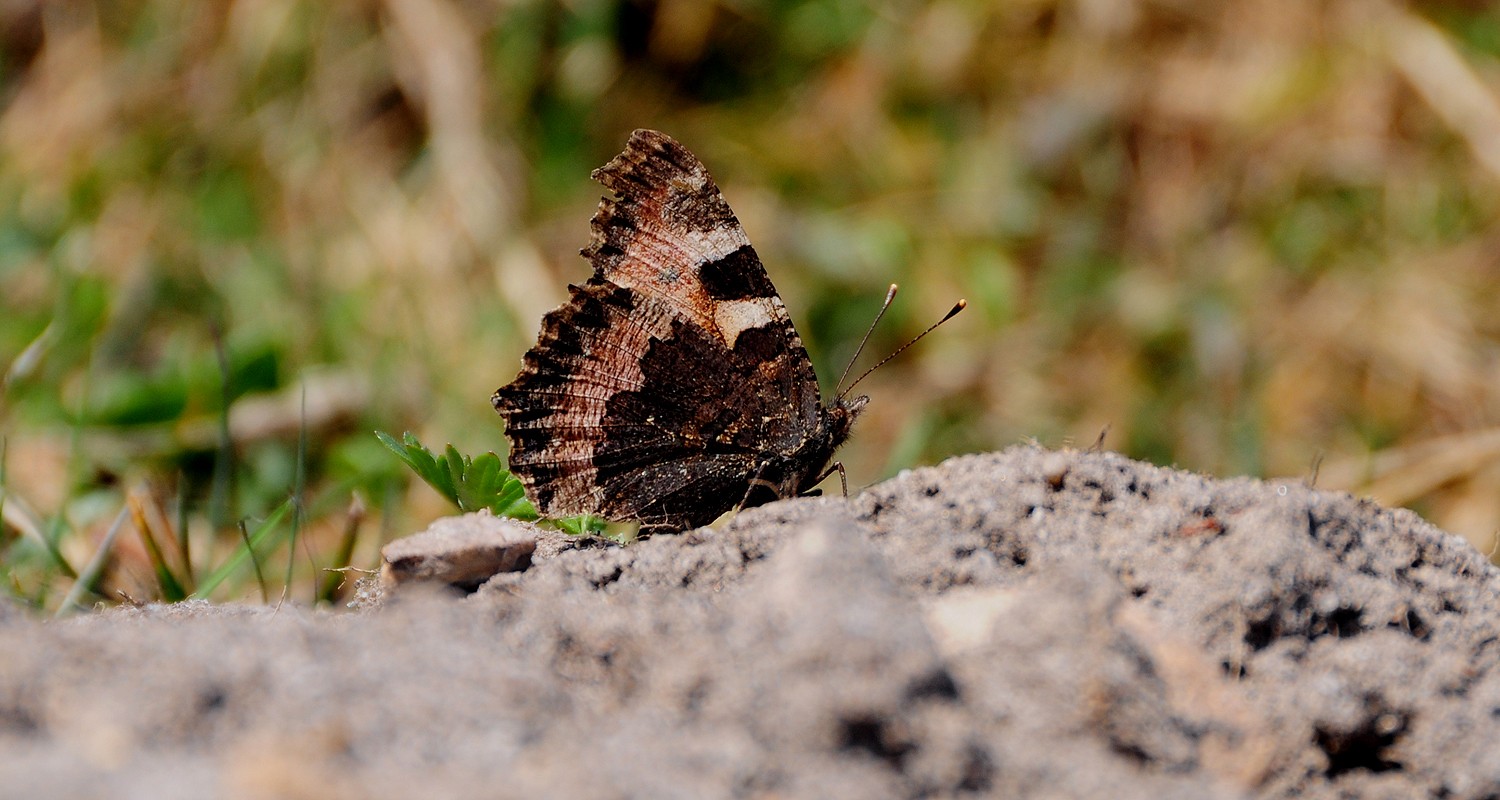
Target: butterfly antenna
{"points": [[952, 312], [889, 296]]}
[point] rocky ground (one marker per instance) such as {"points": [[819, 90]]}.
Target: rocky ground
{"points": [[1020, 624]]}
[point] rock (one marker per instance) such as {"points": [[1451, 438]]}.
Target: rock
{"points": [[462, 552]]}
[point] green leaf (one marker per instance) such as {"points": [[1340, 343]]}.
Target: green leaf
{"points": [[512, 502], [468, 483], [585, 524], [481, 481], [421, 461], [456, 466]]}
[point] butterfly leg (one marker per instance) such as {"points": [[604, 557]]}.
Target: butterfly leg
{"points": [[837, 466], [758, 481]]}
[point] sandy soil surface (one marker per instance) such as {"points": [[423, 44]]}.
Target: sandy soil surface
{"points": [[1021, 624]]}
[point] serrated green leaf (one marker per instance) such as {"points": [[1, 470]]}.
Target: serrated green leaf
{"points": [[469, 483], [478, 482], [583, 524], [512, 502], [421, 461], [455, 463], [482, 481], [396, 447], [486, 469], [434, 469], [392, 445]]}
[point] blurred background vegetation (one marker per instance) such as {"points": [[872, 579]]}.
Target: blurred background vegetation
{"points": [[1253, 237]]}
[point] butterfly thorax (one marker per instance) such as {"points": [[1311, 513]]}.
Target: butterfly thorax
{"points": [[794, 473]]}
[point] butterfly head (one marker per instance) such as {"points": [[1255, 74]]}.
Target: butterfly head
{"points": [[840, 416]]}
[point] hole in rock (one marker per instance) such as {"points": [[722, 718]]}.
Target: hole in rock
{"points": [[1363, 748], [871, 735]]}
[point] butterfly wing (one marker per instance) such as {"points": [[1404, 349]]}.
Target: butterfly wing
{"points": [[626, 410], [669, 234], [664, 383]]}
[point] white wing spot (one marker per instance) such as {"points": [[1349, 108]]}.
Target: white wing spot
{"points": [[737, 316]]}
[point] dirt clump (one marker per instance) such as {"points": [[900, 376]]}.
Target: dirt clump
{"points": [[1020, 624]]}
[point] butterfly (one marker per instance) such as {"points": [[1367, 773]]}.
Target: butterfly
{"points": [[671, 387]]}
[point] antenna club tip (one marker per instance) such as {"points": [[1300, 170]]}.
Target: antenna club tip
{"points": [[841, 394], [962, 304]]}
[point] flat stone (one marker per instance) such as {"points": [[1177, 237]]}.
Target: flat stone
{"points": [[462, 551]]}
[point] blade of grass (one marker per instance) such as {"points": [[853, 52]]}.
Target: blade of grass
{"points": [[260, 578], [184, 542], [91, 570], [218, 499], [3, 443], [20, 516], [30, 356], [167, 584], [167, 536], [299, 484], [75, 465], [253, 542], [58, 522], [352, 521]]}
